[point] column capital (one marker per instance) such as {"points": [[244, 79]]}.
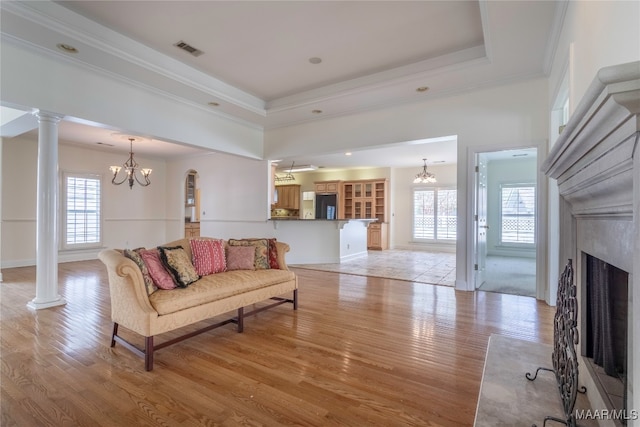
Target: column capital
{"points": [[47, 116]]}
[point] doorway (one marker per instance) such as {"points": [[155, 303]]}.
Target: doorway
{"points": [[506, 221]]}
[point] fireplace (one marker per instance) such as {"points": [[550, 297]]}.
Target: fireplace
{"points": [[605, 331], [596, 164]]}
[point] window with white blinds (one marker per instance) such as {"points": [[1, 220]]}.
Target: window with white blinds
{"points": [[434, 214], [518, 213], [82, 212]]}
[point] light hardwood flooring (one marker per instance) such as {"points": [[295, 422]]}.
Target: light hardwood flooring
{"points": [[359, 351]]}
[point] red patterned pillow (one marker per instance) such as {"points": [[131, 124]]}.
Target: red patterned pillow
{"points": [[208, 256], [161, 277], [273, 254], [240, 257]]}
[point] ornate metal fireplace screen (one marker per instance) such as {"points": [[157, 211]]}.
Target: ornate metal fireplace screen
{"points": [[565, 340]]}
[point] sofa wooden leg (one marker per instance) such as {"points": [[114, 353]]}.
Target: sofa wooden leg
{"points": [[113, 335], [148, 353], [241, 319], [295, 299]]}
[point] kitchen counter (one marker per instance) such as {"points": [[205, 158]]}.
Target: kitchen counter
{"points": [[322, 240]]}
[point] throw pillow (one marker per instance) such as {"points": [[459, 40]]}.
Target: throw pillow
{"points": [[176, 260], [134, 255], [241, 258], [273, 254], [208, 256], [261, 257], [158, 273]]}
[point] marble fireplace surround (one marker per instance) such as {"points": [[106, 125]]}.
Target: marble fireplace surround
{"points": [[596, 162]]}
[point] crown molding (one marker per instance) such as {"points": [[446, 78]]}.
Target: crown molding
{"points": [[554, 35], [61, 20]]}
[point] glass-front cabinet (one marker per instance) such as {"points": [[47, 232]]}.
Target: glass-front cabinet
{"points": [[367, 199]]}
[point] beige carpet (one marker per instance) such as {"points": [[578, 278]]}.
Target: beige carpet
{"points": [[507, 398]]}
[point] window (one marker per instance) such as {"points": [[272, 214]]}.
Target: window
{"points": [[517, 214], [434, 214], [82, 211]]}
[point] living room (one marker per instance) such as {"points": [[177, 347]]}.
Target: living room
{"points": [[232, 155]]}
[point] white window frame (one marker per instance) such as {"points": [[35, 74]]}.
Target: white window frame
{"points": [[65, 213], [501, 242], [436, 239]]}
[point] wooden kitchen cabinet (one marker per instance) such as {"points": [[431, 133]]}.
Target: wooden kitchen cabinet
{"points": [[364, 199], [367, 199], [377, 236], [288, 197], [327, 187], [191, 229]]}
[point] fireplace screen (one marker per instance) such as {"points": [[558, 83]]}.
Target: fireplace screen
{"points": [[606, 326]]}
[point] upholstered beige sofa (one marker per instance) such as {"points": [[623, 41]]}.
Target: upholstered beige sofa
{"points": [[212, 295]]}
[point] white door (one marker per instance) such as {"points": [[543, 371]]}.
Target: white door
{"points": [[480, 217]]}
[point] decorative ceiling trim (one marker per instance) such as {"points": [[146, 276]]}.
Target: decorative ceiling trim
{"points": [[87, 32], [554, 35]]}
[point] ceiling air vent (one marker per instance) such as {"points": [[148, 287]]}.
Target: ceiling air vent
{"points": [[188, 48]]}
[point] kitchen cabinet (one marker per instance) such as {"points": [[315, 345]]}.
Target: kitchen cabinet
{"points": [[367, 199], [364, 199], [327, 186], [377, 236], [191, 229], [288, 197]]}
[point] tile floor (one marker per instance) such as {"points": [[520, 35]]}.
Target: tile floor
{"points": [[438, 268], [509, 275]]}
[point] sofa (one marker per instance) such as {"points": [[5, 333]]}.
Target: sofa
{"points": [[151, 308]]}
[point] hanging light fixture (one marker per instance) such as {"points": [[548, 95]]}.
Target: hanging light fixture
{"points": [[424, 177], [287, 177], [131, 168]]}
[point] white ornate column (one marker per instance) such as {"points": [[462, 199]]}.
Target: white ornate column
{"points": [[47, 210]]}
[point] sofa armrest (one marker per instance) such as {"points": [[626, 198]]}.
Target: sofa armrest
{"points": [[130, 306], [282, 248]]}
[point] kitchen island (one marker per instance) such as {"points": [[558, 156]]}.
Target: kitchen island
{"points": [[322, 241]]}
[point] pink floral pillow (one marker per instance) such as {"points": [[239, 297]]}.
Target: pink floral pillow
{"points": [[240, 257], [161, 277], [208, 256]]}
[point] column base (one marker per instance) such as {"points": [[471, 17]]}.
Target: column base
{"points": [[38, 305]]}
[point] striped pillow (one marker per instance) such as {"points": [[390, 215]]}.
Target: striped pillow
{"points": [[208, 256]]}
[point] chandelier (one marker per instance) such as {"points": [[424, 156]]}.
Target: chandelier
{"points": [[287, 177], [424, 177], [131, 169]]}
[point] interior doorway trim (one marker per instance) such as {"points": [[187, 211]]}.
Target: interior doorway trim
{"points": [[542, 285]]}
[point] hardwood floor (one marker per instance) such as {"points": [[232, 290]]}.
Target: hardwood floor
{"points": [[359, 352]]}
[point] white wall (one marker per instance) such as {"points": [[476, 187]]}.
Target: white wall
{"points": [[132, 217], [31, 80], [233, 196], [514, 114], [595, 34]]}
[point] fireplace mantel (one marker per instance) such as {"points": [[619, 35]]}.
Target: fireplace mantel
{"points": [[593, 157], [596, 162]]}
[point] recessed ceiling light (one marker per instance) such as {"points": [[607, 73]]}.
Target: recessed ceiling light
{"points": [[66, 48], [422, 89], [213, 104], [316, 111], [348, 153], [315, 60]]}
